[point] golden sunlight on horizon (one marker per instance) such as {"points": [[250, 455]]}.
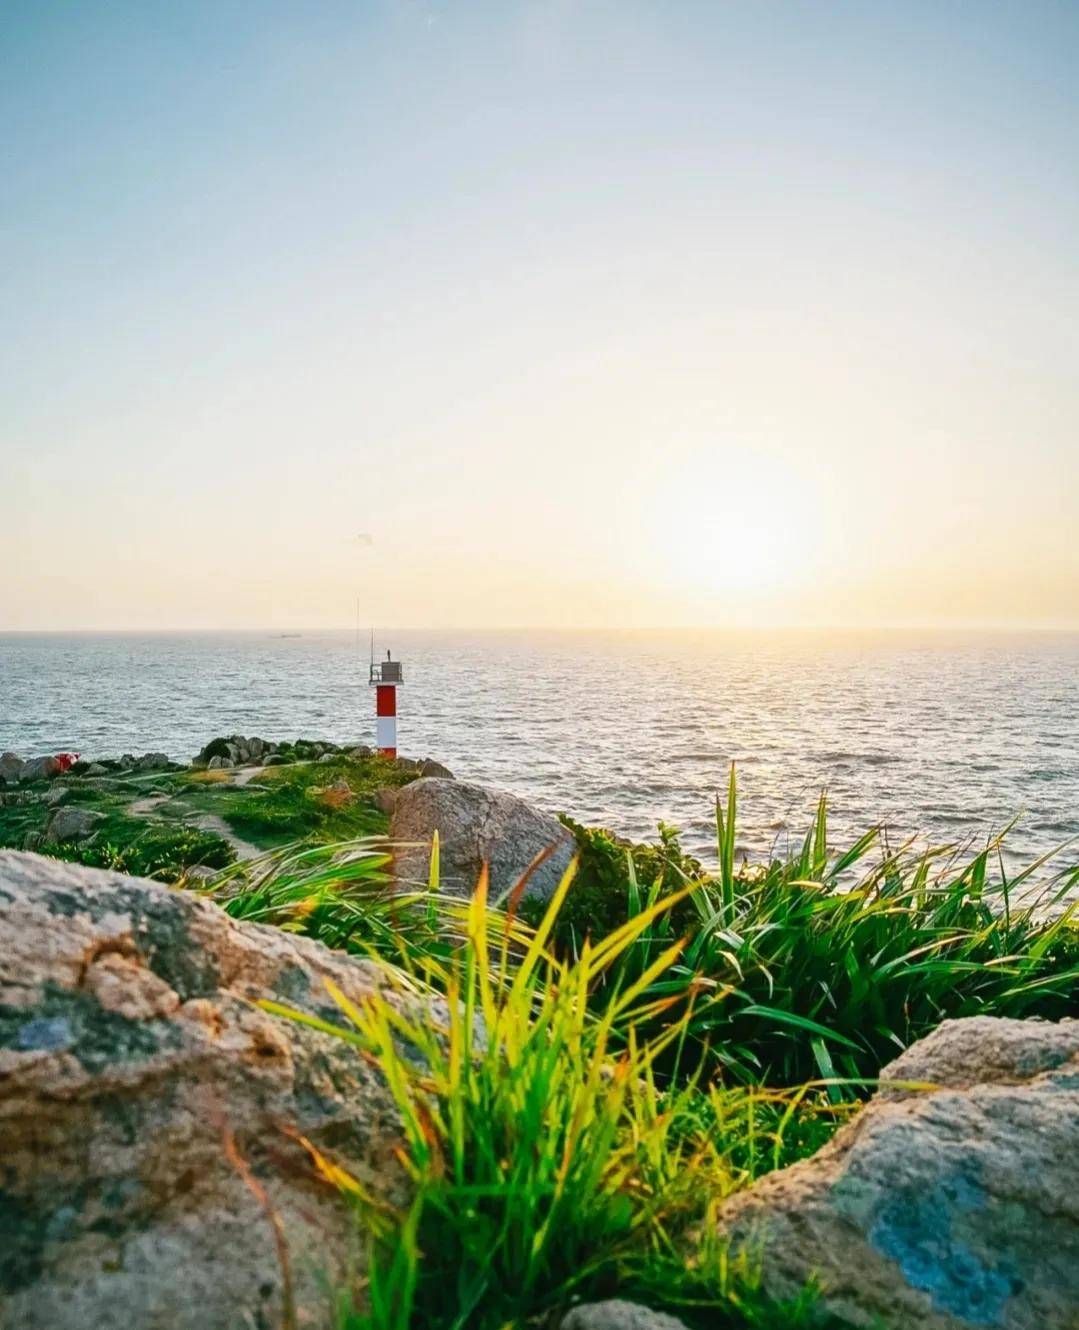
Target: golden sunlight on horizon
{"points": [[728, 317]]}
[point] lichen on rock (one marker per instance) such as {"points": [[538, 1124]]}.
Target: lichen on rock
{"points": [[950, 1201]]}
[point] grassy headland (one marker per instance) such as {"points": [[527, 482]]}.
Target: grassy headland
{"points": [[164, 823], [616, 1062]]}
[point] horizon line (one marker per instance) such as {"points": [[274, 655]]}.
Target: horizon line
{"points": [[278, 630]]}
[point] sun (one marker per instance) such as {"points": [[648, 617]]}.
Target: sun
{"points": [[734, 523]]}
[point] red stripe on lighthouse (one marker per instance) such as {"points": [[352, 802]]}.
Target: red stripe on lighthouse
{"points": [[386, 719]]}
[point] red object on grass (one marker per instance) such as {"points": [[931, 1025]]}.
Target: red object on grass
{"points": [[67, 760]]}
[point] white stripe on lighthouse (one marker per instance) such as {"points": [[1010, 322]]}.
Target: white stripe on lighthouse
{"points": [[386, 731]]}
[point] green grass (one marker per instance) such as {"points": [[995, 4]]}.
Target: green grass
{"points": [[144, 849], [343, 896], [547, 1163], [831, 963], [285, 804], [288, 803], [594, 1094], [147, 847]]}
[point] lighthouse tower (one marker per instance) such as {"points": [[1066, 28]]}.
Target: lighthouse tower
{"points": [[386, 675]]}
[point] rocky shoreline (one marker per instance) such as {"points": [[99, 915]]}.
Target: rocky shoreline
{"points": [[168, 1139], [221, 754], [159, 1130]]}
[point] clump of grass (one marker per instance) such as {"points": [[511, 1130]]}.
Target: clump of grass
{"points": [[831, 963], [344, 896], [158, 850], [547, 1163]]}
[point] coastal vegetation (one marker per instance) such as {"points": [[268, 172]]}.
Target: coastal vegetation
{"points": [[583, 1081], [166, 823], [831, 962], [629, 1078], [551, 1160]]}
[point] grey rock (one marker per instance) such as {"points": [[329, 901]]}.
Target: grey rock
{"points": [[215, 748], [95, 769], [152, 762], [274, 760], [56, 795], [328, 757], [476, 826], [385, 798], [132, 1044], [218, 764], [70, 824], [359, 751], [11, 767], [616, 1314], [40, 768], [429, 767], [950, 1202], [199, 873]]}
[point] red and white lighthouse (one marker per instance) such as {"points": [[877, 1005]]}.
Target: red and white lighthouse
{"points": [[386, 676]]}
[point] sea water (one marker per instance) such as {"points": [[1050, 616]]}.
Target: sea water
{"points": [[947, 735]]}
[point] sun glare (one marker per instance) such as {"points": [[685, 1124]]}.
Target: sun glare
{"points": [[734, 524]]}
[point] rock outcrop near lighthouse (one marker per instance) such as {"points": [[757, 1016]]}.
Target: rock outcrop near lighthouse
{"points": [[477, 826]]}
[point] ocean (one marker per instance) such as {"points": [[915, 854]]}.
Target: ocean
{"points": [[945, 735]]}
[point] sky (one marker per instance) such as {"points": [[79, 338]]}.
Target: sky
{"points": [[539, 313]]}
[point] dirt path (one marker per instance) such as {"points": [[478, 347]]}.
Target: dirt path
{"points": [[147, 809], [211, 822]]}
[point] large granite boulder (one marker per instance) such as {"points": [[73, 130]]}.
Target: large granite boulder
{"points": [[950, 1202], [11, 767], [476, 825], [132, 1057]]}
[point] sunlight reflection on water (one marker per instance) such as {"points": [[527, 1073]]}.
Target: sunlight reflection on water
{"points": [[950, 735]]}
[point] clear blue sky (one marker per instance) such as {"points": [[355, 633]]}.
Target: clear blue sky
{"points": [[585, 313]]}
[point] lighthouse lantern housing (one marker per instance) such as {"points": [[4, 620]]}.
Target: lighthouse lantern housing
{"points": [[386, 671]]}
